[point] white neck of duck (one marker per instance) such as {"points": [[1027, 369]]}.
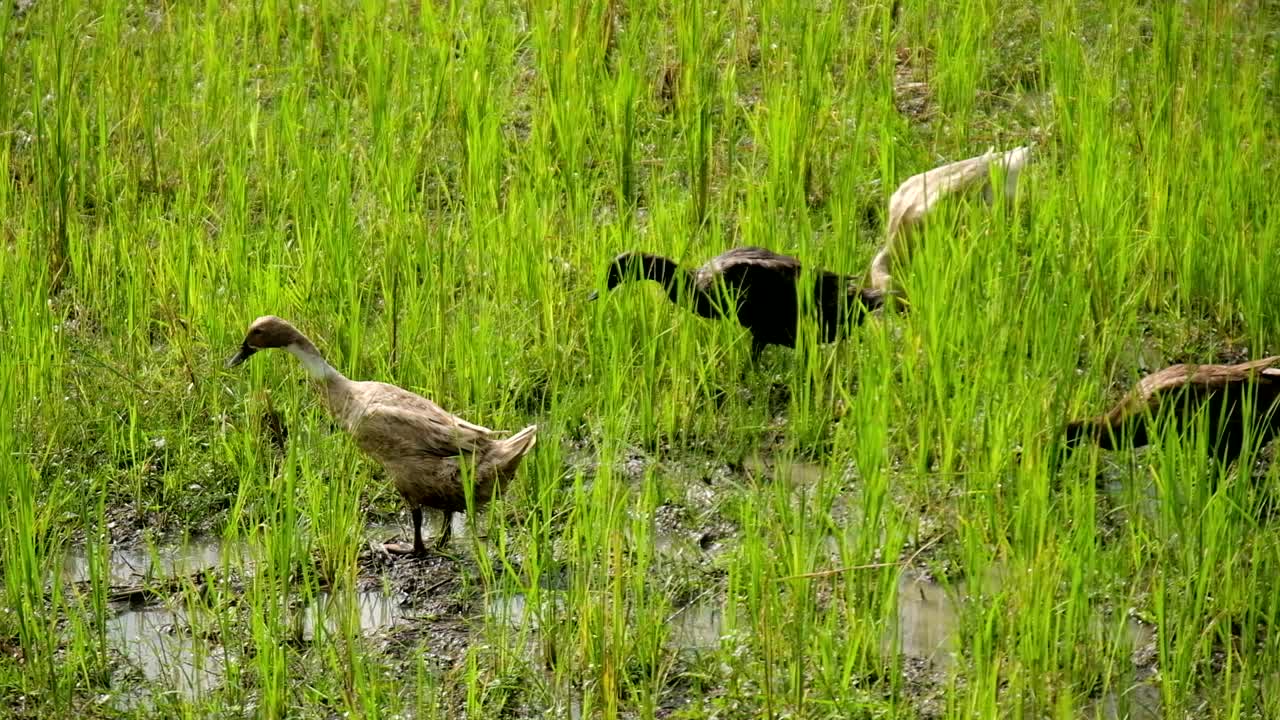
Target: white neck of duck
{"points": [[316, 366]]}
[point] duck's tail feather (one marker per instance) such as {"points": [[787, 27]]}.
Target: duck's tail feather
{"points": [[520, 443]]}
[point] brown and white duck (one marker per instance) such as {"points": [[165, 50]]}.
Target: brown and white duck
{"points": [[1222, 392], [422, 446]]}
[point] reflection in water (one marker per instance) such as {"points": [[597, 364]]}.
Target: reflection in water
{"points": [[177, 653], [515, 612], [158, 641], [698, 626], [926, 622], [174, 653], [1140, 702], [797, 472], [509, 609], [375, 610], [928, 630], [130, 566], [160, 644]]}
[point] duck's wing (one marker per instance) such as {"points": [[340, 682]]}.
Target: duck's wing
{"points": [[1215, 376], [1173, 377], [1148, 392], [748, 261], [750, 274], [396, 421], [1200, 380], [1267, 369]]}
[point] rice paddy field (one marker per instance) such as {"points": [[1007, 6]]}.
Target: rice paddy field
{"points": [[881, 527]]}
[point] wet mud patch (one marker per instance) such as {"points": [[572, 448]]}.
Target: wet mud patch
{"points": [[928, 641], [178, 616], [418, 607], [440, 613], [157, 626], [415, 609]]}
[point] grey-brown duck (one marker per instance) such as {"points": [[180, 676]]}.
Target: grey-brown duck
{"points": [[422, 446]]}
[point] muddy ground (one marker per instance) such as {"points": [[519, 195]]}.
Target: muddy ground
{"points": [[431, 610]]}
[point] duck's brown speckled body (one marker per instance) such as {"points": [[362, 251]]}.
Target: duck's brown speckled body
{"points": [[422, 446], [1221, 392]]}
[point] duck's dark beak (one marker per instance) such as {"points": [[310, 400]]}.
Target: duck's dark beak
{"points": [[244, 354], [595, 295]]}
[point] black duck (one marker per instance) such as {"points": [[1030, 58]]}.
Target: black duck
{"points": [[758, 287]]}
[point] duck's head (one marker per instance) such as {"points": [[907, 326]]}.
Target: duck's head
{"points": [[624, 267], [266, 332]]}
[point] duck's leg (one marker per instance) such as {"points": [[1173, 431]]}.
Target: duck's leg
{"points": [[418, 547], [446, 530]]}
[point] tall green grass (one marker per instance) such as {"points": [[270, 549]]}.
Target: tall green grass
{"points": [[431, 190]]}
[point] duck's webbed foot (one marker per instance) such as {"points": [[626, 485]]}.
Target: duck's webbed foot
{"points": [[399, 548], [418, 548]]}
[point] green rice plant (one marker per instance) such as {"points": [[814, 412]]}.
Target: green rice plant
{"points": [[432, 190], [695, 80]]}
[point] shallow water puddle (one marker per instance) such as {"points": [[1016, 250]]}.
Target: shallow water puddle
{"points": [[685, 546], [375, 610], [130, 566], [698, 626], [1143, 701], [929, 619], [515, 612], [177, 653], [797, 472], [928, 630], [158, 642], [510, 609], [927, 622]]}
